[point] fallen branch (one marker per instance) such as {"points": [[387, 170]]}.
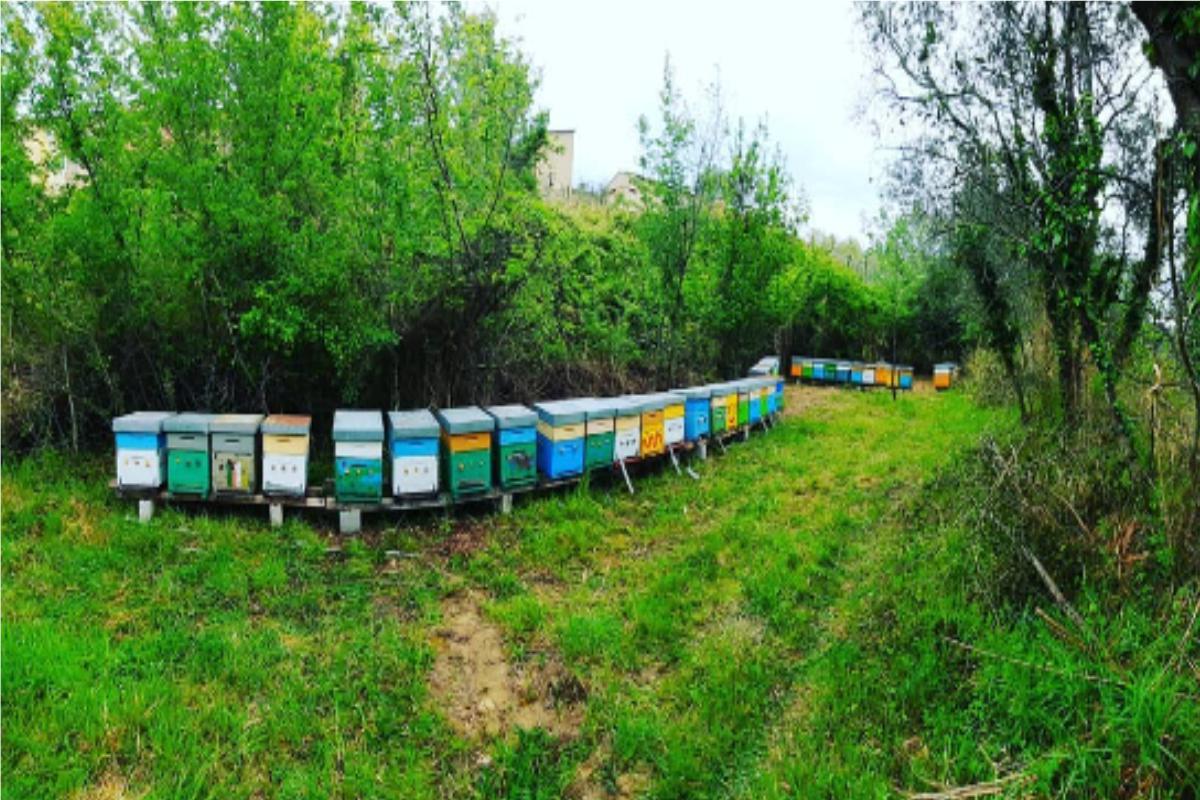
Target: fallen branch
{"points": [[985, 789]]}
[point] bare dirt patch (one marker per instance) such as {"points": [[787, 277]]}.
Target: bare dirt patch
{"points": [[482, 694], [594, 782], [799, 398], [110, 787]]}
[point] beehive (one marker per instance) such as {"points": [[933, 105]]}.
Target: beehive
{"points": [[943, 376], [516, 445], [818, 370], [413, 448], [806, 369], [883, 374], [285, 439], [753, 398], [358, 456], [654, 436], [234, 446], [742, 411], [697, 412], [843, 372], [466, 450], [868, 375], [141, 449], [830, 371], [627, 438], [674, 418], [562, 429], [766, 387], [797, 367], [779, 387], [599, 432], [187, 453], [904, 377], [719, 407], [856, 373]]}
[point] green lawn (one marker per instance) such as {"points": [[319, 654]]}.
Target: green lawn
{"points": [[692, 640]]}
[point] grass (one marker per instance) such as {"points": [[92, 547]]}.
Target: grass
{"points": [[778, 628]]}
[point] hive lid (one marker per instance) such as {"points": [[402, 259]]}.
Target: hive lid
{"points": [[512, 416], [561, 412], [695, 392], [721, 389], [945, 365], [188, 422], [672, 398], [236, 423], [651, 402], [418, 424], [599, 407], [467, 419], [287, 424], [627, 406], [357, 426], [141, 422]]}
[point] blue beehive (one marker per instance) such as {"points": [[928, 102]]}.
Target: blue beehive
{"points": [[141, 449], [696, 411], [413, 449], [779, 387], [856, 373], [818, 370], [843, 372], [561, 432]]}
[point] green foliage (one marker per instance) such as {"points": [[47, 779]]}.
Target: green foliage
{"points": [[311, 205]]}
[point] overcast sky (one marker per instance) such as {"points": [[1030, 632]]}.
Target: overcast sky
{"points": [[796, 64]]}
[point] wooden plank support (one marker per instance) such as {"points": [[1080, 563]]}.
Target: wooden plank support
{"points": [[674, 461]]}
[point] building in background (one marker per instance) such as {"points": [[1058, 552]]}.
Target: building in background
{"points": [[623, 189], [53, 172], [555, 171]]}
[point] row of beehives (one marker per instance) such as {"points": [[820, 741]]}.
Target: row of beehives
{"points": [[460, 450], [867, 374]]}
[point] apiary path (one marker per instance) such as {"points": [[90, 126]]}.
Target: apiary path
{"points": [[592, 644]]}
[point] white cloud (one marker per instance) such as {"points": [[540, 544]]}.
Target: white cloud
{"points": [[797, 64]]}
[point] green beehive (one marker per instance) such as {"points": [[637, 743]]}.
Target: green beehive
{"points": [[600, 432], [516, 445], [358, 455], [718, 419], [187, 453], [466, 450]]}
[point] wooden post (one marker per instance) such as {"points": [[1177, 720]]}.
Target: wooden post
{"points": [[625, 473], [349, 521]]}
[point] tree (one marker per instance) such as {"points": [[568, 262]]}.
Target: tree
{"points": [[679, 186], [1047, 97]]}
